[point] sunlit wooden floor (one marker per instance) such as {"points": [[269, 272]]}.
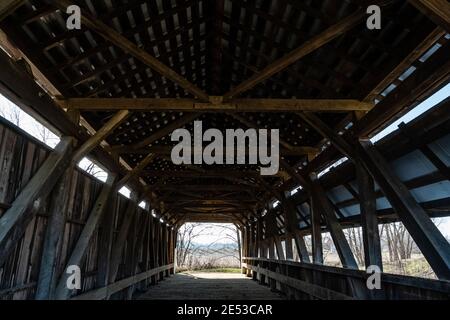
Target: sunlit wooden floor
{"points": [[209, 286]]}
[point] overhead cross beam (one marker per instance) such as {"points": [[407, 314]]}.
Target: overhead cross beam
{"points": [[238, 105], [166, 150], [120, 41], [208, 187]]}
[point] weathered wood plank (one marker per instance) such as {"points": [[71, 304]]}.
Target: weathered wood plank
{"points": [[117, 250], [104, 292], [316, 231], [14, 221], [369, 220], [48, 272], [309, 288], [82, 244]]}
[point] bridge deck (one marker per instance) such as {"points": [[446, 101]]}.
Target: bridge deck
{"points": [[209, 286]]}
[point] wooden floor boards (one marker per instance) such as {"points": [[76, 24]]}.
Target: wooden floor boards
{"points": [[209, 286]]}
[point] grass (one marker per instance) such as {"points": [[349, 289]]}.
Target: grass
{"points": [[417, 267]]}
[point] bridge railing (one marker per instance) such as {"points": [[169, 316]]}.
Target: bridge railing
{"points": [[105, 292], [311, 281]]}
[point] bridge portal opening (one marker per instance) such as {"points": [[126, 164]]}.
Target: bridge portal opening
{"points": [[209, 247]]}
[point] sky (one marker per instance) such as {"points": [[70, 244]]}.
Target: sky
{"points": [[27, 123]]}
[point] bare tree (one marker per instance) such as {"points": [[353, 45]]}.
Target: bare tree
{"points": [[399, 242], [223, 250], [354, 238], [43, 133], [11, 112]]}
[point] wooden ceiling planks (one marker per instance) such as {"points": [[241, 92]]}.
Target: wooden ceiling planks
{"points": [[147, 50]]}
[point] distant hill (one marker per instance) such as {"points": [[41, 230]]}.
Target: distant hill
{"points": [[229, 246]]}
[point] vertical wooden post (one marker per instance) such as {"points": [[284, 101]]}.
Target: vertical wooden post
{"points": [[279, 247], [272, 282], [48, 271], [244, 246], [316, 232], [288, 245], [369, 220]]}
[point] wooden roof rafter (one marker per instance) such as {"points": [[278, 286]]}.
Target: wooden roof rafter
{"points": [[123, 43], [130, 79]]}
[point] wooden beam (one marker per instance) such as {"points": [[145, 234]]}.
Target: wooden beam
{"points": [[104, 292], [195, 174], [432, 74], [311, 289], [423, 47], [237, 105], [120, 41], [116, 255], [288, 246], [9, 6], [338, 142], [105, 240], [369, 219], [166, 150], [141, 224], [100, 135], [14, 221], [316, 231], [51, 252], [300, 245], [279, 248], [427, 236], [61, 292], [309, 46], [21, 88], [437, 10], [136, 170], [199, 187], [336, 232]]}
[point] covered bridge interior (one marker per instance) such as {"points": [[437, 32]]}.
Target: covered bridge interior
{"points": [[115, 89]]}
